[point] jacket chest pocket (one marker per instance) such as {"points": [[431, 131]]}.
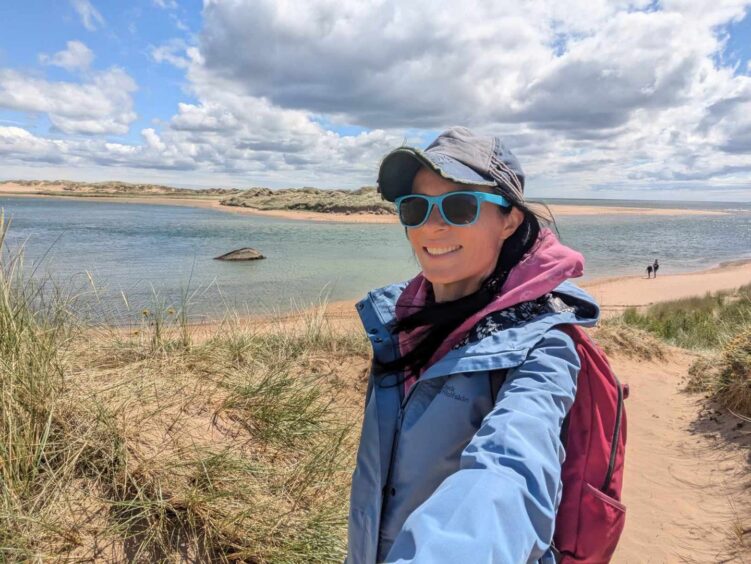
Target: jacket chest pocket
{"points": [[440, 418]]}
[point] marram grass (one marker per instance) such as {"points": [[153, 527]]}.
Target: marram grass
{"points": [[148, 447]]}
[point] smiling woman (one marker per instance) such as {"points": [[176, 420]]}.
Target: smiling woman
{"points": [[458, 260], [473, 375]]}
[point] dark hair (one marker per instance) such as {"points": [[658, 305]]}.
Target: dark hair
{"points": [[442, 318]]}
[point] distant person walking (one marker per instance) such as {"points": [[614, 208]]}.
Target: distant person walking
{"points": [[655, 266], [649, 271]]}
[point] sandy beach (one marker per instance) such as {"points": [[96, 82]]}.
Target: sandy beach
{"points": [[616, 294], [11, 189], [686, 485]]}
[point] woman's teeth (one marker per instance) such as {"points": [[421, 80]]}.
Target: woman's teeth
{"points": [[437, 251]]}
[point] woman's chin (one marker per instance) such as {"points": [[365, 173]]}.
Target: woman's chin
{"points": [[440, 277]]}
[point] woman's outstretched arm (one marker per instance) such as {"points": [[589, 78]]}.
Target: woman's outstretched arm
{"points": [[500, 505]]}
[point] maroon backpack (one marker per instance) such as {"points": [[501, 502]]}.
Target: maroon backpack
{"points": [[590, 516]]}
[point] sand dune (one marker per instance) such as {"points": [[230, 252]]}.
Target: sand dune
{"points": [[212, 202]]}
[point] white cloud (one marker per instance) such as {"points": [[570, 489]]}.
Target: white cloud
{"points": [[20, 145], [90, 16], [166, 4], [76, 56], [591, 94], [101, 105], [172, 52]]}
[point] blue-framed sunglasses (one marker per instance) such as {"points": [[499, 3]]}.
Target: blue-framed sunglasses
{"points": [[457, 208]]}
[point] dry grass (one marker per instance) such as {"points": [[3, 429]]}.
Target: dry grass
{"points": [[726, 375], [718, 326], [618, 338], [363, 200], [702, 323], [154, 447]]}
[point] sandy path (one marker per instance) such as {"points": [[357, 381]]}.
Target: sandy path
{"points": [[686, 489]]}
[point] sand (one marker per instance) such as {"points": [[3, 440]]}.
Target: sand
{"points": [[615, 294], [687, 487], [11, 189]]}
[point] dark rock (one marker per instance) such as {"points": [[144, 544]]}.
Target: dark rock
{"points": [[246, 253]]}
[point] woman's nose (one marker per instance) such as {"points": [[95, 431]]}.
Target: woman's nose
{"points": [[435, 219]]}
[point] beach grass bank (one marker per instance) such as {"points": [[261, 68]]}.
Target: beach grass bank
{"points": [[363, 205], [719, 326]]}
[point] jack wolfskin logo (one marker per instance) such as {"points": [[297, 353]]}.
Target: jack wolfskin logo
{"points": [[451, 392]]}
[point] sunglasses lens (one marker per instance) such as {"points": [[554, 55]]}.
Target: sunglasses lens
{"points": [[412, 211], [460, 209]]}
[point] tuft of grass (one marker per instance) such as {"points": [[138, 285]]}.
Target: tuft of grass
{"points": [[717, 324], [696, 323], [734, 374], [616, 337]]}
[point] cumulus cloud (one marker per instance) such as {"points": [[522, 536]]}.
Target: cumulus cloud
{"points": [[101, 105], [389, 64], [76, 56], [90, 16], [626, 94], [171, 52]]}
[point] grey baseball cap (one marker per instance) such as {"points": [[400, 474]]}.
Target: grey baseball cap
{"points": [[457, 154]]}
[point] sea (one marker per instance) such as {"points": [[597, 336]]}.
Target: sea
{"points": [[118, 259]]}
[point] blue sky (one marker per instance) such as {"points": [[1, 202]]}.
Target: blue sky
{"points": [[125, 38], [640, 100]]}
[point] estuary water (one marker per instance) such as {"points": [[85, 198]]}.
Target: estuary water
{"points": [[124, 257]]}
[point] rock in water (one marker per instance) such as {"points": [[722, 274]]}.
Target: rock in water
{"points": [[246, 253]]}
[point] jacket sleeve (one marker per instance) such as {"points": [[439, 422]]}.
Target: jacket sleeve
{"points": [[500, 505]]}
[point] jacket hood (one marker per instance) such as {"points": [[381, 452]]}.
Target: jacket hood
{"points": [[542, 270]]}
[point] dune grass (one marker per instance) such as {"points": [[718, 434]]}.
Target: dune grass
{"points": [[717, 325], [705, 322], [362, 200], [149, 445]]}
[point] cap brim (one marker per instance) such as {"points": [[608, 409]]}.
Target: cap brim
{"points": [[399, 167]]}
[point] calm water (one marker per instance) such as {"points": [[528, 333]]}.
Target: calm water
{"points": [[135, 252]]}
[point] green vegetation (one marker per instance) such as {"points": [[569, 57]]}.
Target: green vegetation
{"points": [[696, 323], [117, 188], [719, 326], [363, 200], [158, 444]]}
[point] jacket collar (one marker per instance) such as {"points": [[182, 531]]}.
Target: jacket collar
{"points": [[499, 350]]}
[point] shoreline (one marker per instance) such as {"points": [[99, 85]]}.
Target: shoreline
{"points": [[613, 294], [560, 210]]}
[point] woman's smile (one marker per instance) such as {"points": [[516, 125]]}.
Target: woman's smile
{"points": [[436, 251]]}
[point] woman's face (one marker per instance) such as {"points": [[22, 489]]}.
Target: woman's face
{"points": [[472, 249]]}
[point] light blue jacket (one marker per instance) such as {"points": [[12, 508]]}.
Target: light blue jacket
{"points": [[449, 475]]}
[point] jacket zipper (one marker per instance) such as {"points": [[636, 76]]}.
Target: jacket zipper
{"points": [[394, 448]]}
